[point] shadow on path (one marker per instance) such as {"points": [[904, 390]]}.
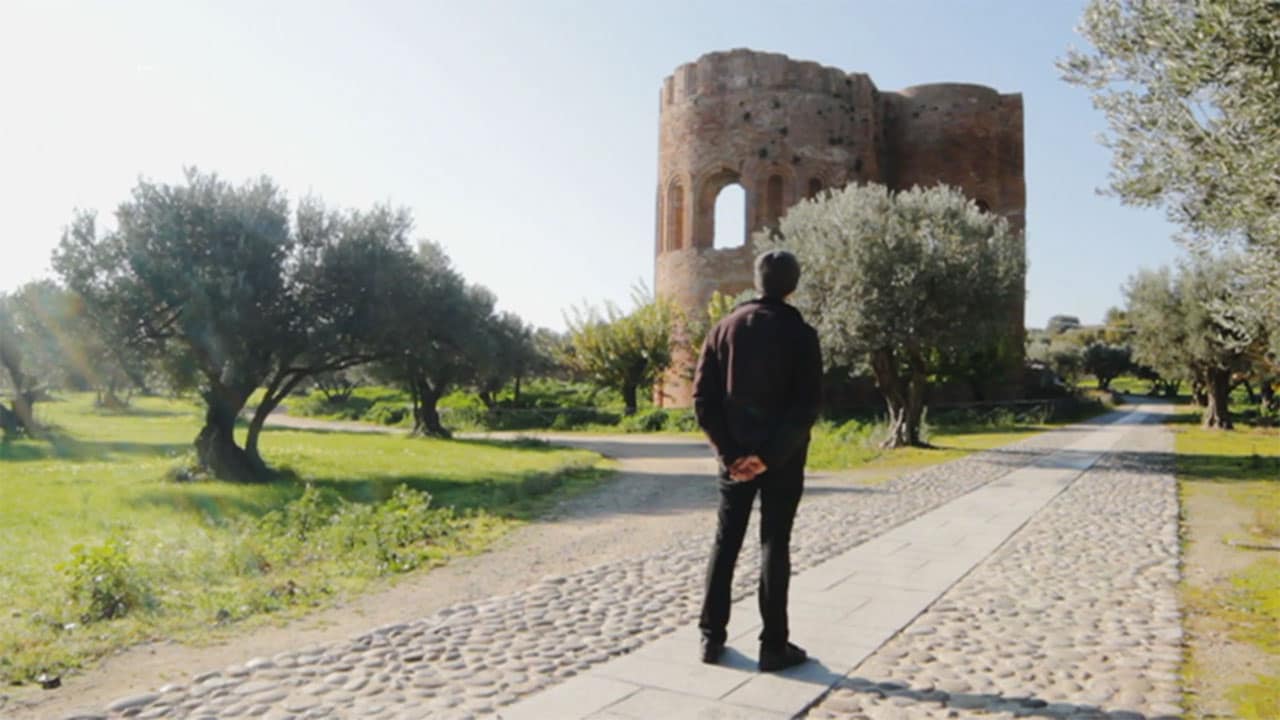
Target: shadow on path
{"points": [[1016, 705]]}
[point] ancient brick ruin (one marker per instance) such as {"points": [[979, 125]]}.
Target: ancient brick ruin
{"points": [[785, 130]]}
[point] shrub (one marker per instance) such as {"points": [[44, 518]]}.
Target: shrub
{"points": [[387, 413], [845, 444], [303, 517], [362, 404], [394, 536], [563, 421], [103, 582], [552, 393], [647, 421], [661, 420], [526, 418], [405, 526]]}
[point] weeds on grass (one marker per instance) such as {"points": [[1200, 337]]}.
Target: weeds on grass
{"points": [[396, 536], [1254, 605], [1258, 700], [1247, 605], [103, 582]]}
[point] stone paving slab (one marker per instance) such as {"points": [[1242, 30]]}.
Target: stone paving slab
{"points": [[844, 608], [1074, 618]]}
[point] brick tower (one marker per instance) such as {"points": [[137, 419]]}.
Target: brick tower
{"points": [[784, 130]]}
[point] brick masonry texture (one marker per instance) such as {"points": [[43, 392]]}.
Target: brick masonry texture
{"points": [[786, 130]]}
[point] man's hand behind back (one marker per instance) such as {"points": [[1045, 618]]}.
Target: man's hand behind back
{"points": [[745, 469]]}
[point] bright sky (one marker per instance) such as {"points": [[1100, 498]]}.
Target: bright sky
{"points": [[523, 135]]}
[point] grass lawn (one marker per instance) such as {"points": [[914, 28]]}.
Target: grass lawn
{"points": [[855, 444], [1230, 486], [194, 556], [1122, 384], [838, 448]]}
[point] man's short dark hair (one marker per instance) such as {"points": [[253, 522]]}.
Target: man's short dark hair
{"points": [[777, 273]]}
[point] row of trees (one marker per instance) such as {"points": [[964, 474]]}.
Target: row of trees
{"points": [[1195, 325], [1186, 327], [47, 340], [220, 289], [1071, 349], [1189, 90]]}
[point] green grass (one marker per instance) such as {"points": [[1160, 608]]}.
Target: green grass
{"points": [[108, 475], [856, 443], [376, 404], [1230, 456], [841, 448], [1122, 384], [1258, 700], [1244, 466]]}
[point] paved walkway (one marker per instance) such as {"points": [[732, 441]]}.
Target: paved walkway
{"points": [[1034, 580], [843, 610]]}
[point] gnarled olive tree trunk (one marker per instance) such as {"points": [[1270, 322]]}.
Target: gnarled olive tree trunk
{"points": [[1217, 390], [426, 416], [216, 446], [21, 416], [277, 390], [630, 401], [904, 396]]}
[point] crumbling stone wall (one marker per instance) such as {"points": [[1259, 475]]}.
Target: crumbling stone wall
{"points": [[785, 130]]}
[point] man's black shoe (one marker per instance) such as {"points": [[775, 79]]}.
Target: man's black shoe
{"points": [[774, 660], [711, 651]]}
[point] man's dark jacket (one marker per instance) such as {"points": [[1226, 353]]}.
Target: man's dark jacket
{"points": [[759, 383]]}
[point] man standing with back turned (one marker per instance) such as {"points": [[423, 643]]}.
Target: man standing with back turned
{"points": [[756, 395]]}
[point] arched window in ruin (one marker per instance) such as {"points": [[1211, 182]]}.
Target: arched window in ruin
{"points": [[982, 205], [674, 238], [773, 204], [815, 187], [730, 228]]}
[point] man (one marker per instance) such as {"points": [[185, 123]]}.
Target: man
{"points": [[756, 396]]}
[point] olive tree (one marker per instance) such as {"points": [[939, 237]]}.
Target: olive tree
{"points": [[894, 280], [18, 417], [1189, 89], [1106, 362], [509, 356], [68, 349], [227, 296], [1194, 325], [445, 329]]}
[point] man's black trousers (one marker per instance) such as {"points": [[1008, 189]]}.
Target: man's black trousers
{"points": [[779, 492]]}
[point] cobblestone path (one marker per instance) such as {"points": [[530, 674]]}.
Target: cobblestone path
{"points": [[1075, 610]]}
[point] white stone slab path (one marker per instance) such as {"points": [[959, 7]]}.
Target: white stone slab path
{"points": [[841, 610]]}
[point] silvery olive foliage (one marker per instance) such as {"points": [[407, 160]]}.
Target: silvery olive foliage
{"points": [[1191, 89], [1193, 324], [229, 293], [897, 280]]}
